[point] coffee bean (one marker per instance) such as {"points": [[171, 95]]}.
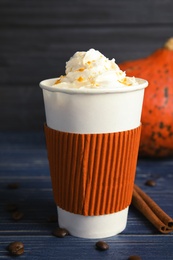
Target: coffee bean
{"points": [[134, 257], [11, 207], [16, 248], [13, 185], [60, 232], [102, 246], [17, 215], [150, 183]]}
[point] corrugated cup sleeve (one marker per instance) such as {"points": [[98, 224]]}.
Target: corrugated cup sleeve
{"points": [[92, 174]]}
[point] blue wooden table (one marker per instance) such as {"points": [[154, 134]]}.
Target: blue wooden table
{"points": [[23, 161]]}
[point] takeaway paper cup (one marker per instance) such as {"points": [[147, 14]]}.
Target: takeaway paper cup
{"points": [[92, 138]]}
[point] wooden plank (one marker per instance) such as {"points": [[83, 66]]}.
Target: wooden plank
{"points": [[34, 56], [60, 13], [22, 108], [38, 37], [24, 160], [47, 247]]}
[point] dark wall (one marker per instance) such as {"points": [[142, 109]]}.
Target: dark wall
{"points": [[37, 37]]}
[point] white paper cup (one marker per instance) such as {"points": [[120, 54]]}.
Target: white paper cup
{"points": [[93, 111]]}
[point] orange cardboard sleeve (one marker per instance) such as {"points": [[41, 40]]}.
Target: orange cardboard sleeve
{"points": [[92, 174]]}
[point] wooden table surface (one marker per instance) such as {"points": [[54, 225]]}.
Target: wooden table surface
{"points": [[23, 161]]}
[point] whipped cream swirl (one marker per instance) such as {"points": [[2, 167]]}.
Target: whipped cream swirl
{"points": [[92, 69]]}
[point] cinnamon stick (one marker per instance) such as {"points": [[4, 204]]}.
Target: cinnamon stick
{"points": [[151, 211]]}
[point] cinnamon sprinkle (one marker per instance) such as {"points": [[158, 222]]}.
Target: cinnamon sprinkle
{"points": [[81, 69], [80, 79], [57, 81], [124, 81]]}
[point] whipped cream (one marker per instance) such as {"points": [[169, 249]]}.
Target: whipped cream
{"points": [[92, 69]]}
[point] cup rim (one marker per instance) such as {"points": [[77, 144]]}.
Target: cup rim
{"points": [[47, 85]]}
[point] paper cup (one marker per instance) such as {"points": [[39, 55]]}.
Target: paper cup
{"points": [[92, 140]]}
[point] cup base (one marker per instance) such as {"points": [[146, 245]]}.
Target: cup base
{"points": [[93, 226]]}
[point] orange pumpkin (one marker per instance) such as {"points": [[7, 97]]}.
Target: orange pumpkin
{"points": [[157, 115]]}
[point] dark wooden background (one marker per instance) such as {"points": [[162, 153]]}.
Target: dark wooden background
{"points": [[37, 37]]}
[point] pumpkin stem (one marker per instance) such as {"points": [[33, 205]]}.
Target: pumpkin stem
{"points": [[169, 44]]}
